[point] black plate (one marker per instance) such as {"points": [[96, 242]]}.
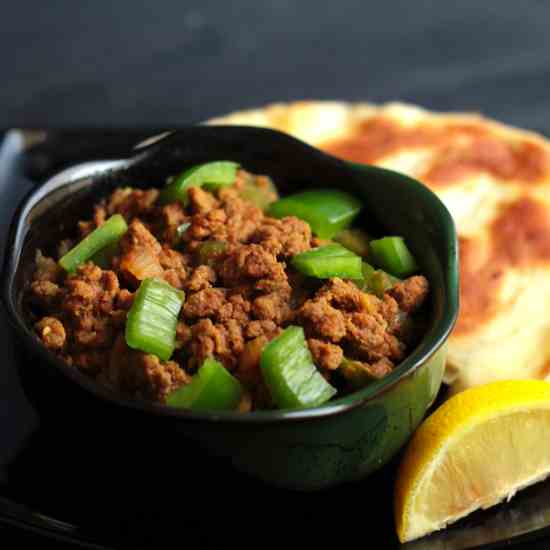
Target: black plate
{"points": [[55, 482]]}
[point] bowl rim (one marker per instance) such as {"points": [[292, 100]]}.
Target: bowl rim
{"points": [[428, 347]]}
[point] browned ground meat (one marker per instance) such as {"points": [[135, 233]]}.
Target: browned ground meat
{"points": [[46, 269], [52, 332], [232, 262], [286, 237], [410, 293], [141, 374], [341, 313], [326, 356]]}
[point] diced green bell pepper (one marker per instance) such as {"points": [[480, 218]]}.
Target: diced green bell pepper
{"points": [[327, 211], [212, 388], [355, 240], [290, 373], [153, 317], [392, 255], [331, 260], [107, 233], [212, 175]]}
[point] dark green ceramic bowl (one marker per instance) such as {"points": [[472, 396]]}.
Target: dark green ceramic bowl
{"points": [[342, 441]]}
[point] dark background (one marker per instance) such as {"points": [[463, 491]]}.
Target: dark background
{"points": [[162, 64], [143, 62]]}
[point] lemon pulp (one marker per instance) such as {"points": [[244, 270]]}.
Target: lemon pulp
{"points": [[477, 449]]}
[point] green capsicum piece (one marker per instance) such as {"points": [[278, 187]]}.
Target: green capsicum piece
{"points": [[212, 388], [327, 211], [355, 240], [102, 236], [212, 175], [392, 255], [331, 260], [153, 317], [290, 373]]}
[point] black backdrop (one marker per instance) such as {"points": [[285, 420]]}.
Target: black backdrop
{"points": [[143, 62], [163, 63]]}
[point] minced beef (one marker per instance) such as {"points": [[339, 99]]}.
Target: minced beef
{"points": [[52, 332], [232, 261]]}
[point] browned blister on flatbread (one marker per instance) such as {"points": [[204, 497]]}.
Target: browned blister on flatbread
{"points": [[495, 180]]}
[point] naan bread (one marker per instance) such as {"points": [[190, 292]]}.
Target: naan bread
{"points": [[495, 180]]}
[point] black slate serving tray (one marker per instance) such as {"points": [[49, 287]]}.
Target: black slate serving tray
{"points": [[57, 483]]}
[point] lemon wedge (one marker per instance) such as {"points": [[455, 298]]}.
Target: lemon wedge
{"points": [[479, 448]]}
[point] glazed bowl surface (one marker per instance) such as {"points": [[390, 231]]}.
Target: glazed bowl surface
{"points": [[308, 449]]}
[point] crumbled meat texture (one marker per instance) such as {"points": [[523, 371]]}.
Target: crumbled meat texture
{"points": [[172, 217], [368, 334], [89, 306], [51, 332], [124, 299], [224, 342], [205, 226], [261, 328], [142, 375], [46, 269], [183, 334], [411, 293], [173, 263], [240, 293], [389, 309], [340, 313], [44, 294], [239, 310], [325, 355], [201, 278], [209, 302], [89, 309], [250, 261], [380, 368], [344, 295], [242, 220], [272, 307], [322, 320], [285, 237], [200, 201]]}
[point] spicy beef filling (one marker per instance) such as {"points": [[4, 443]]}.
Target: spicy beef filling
{"points": [[234, 264]]}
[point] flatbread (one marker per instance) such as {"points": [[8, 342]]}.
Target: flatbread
{"points": [[495, 180]]}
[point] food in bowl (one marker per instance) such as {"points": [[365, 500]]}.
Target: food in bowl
{"points": [[214, 293], [495, 181]]}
